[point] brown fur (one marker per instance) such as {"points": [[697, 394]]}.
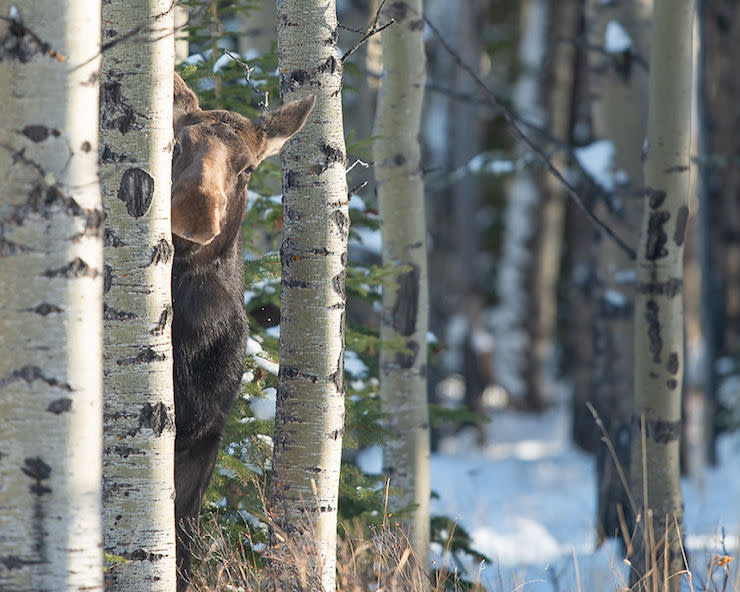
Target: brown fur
{"points": [[215, 151]]}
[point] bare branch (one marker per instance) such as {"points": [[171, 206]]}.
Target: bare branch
{"points": [[373, 29], [514, 126], [265, 103]]}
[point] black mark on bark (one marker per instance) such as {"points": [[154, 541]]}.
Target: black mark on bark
{"points": [[682, 168], [20, 43], [109, 156], [658, 430], [338, 283], [45, 309], [58, 406], [110, 239], [656, 341], [107, 278], [164, 319], [29, 374], [76, 268], [405, 309], [155, 417], [406, 359], [656, 197], [115, 112], [672, 365], [113, 314], [657, 237], [672, 383], [38, 133], [161, 252], [39, 471], [293, 373], [681, 220], [146, 356], [670, 288], [136, 191]]}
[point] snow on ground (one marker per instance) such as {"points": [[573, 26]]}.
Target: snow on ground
{"points": [[528, 500]]}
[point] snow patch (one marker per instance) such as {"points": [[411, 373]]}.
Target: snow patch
{"points": [[597, 160], [616, 38]]}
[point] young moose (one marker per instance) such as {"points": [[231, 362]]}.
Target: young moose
{"points": [[214, 154]]}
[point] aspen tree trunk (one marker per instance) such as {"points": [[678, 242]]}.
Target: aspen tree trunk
{"points": [[515, 292], [51, 289], [182, 45], [136, 161], [397, 156], [618, 82], [659, 337], [309, 421]]}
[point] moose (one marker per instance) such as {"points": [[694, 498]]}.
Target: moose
{"points": [[213, 156]]}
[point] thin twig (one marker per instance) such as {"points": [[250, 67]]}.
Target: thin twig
{"points": [[531, 145], [264, 104], [373, 29]]}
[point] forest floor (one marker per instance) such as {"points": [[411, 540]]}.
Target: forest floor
{"points": [[528, 500]]}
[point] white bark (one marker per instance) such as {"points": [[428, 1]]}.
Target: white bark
{"points": [[309, 419], [618, 83], [406, 303], [136, 155], [659, 332], [51, 276]]}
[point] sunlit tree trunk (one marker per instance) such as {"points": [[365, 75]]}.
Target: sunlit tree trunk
{"points": [[136, 156], [618, 81], [397, 156], [659, 337], [309, 421], [51, 289]]}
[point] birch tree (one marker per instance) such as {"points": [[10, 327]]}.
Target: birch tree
{"points": [[400, 186], [659, 338], [618, 83], [136, 156], [51, 288], [309, 421]]}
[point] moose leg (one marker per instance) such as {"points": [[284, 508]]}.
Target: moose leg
{"points": [[193, 469]]}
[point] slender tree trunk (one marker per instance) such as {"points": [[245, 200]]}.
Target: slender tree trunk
{"points": [[659, 337], [397, 155], [720, 210], [618, 80], [564, 21], [51, 288], [182, 45], [136, 157], [309, 421], [516, 270]]}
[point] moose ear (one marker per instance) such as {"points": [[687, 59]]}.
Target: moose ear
{"points": [[284, 123], [184, 100]]}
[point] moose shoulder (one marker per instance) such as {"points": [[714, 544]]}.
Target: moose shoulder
{"points": [[213, 156]]}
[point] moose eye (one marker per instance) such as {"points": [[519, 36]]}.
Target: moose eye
{"points": [[248, 171], [176, 149]]}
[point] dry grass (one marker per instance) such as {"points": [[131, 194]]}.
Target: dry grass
{"points": [[382, 561]]}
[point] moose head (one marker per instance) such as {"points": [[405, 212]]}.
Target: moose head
{"points": [[213, 156]]}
